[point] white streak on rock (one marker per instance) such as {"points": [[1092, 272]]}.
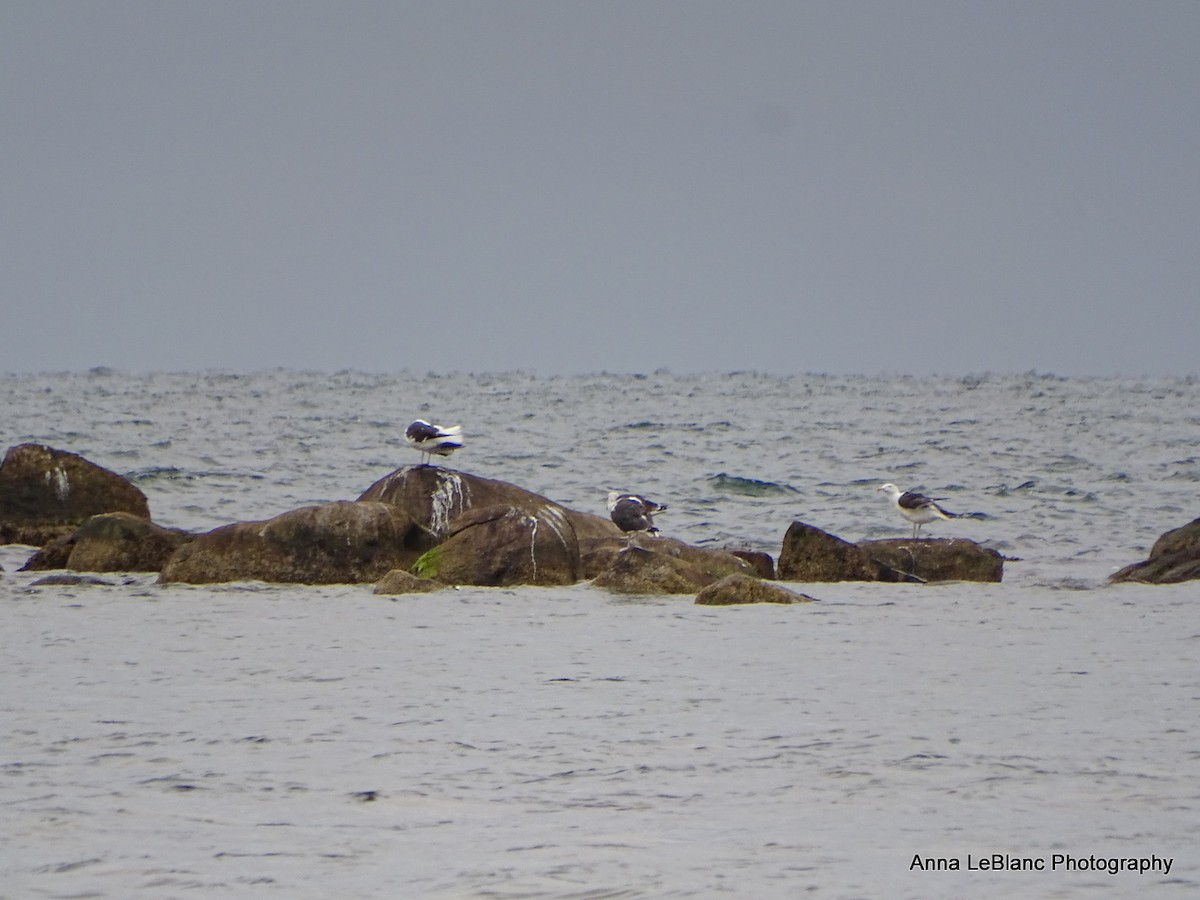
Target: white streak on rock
{"points": [[556, 520], [57, 478], [532, 543], [447, 500]]}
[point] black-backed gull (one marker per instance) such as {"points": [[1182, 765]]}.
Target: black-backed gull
{"points": [[917, 508], [633, 512], [430, 439]]}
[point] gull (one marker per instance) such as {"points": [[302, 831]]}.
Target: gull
{"points": [[430, 439], [917, 508], [632, 512]]}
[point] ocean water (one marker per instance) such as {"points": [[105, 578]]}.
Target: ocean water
{"points": [[278, 740]]}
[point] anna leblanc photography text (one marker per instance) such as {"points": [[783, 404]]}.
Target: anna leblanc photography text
{"points": [[1057, 862]]}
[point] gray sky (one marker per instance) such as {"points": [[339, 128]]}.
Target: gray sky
{"points": [[561, 187]]}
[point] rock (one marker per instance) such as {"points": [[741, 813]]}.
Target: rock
{"points": [[637, 571], [658, 565], [589, 526], [762, 563], [1175, 557], [810, 554], [335, 543], [46, 493], [71, 581], [934, 559], [598, 554], [435, 496], [506, 545], [735, 589], [487, 532], [398, 581], [111, 542], [1184, 538]]}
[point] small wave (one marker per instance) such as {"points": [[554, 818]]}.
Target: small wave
{"points": [[173, 473], [160, 473], [751, 487]]}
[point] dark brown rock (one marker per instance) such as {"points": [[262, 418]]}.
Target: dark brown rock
{"points": [[934, 559], [659, 565], [336, 543], [810, 554], [434, 496], [46, 493], [598, 553], [1184, 538], [1175, 557], [638, 571], [506, 545], [737, 589], [66, 580], [589, 526], [762, 563], [112, 542]]}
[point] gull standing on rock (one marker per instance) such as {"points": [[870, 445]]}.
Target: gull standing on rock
{"points": [[632, 512], [430, 439], [917, 508]]}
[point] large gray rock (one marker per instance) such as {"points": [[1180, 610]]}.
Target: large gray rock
{"points": [[335, 543], [46, 493], [112, 542], [1175, 557], [506, 545]]}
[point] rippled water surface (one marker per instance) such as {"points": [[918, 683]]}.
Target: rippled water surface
{"points": [[268, 740]]}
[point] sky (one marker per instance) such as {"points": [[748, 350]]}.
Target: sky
{"points": [[567, 187]]}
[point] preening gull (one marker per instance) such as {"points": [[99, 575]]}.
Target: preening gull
{"points": [[917, 508], [430, 439], [632, 512]]}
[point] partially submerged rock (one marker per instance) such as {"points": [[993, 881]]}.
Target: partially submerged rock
{"points": [[111, 542], [71, 580], [737, 589], [506, 545], [46, 493], [761, 562], [935, 559], [335, 543], [810, 554], [1175, 557], [661, 565], [598, 554], [638, 571]]}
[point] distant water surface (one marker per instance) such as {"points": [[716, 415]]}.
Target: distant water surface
{"points": [[276, 740]]}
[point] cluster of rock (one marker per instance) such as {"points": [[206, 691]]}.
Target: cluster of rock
{"points": [[420, 528], [426, 527]]}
